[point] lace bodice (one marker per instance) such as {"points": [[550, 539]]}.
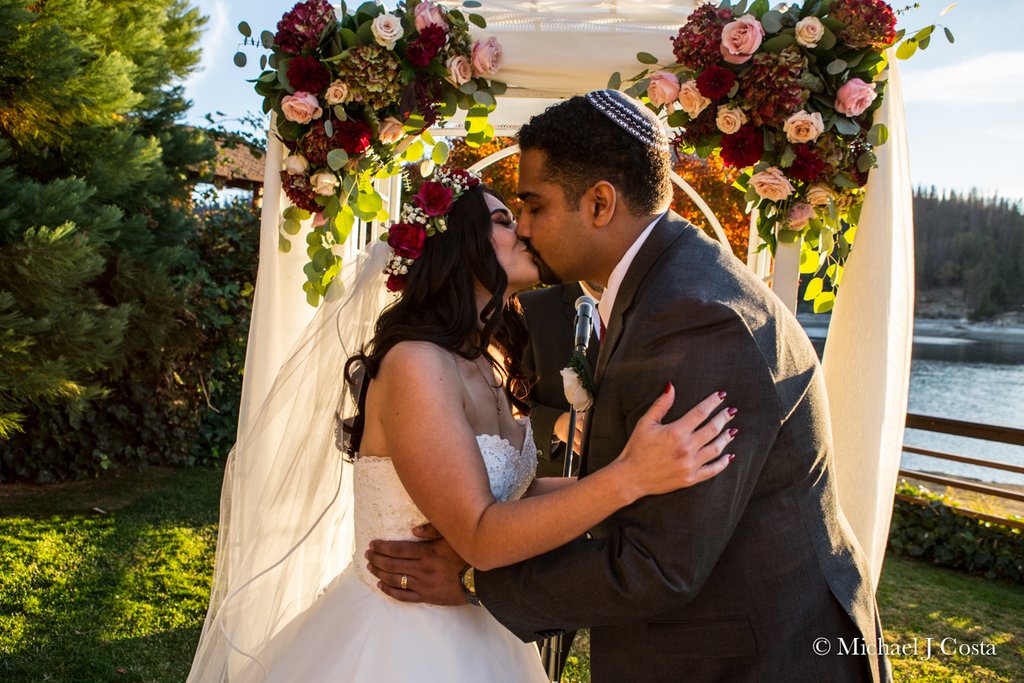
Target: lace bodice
{"points": [[383, 510]]}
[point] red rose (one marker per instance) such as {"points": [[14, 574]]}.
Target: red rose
{"points": [[299, 191], [743, 148], [715, 82], [434, 198], [407, 239], [308, 75], [353, 135], [807, 166]]}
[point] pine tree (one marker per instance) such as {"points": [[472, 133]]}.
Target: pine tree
{"points": [[94, 220]]}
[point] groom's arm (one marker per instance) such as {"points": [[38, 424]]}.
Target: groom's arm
{"points": [[660, 551]]}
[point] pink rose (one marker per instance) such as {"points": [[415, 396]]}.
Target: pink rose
{"points": [[430, 14], [818, 195], [771, 184], [390, 131], [803, 127], [690, 99], [460, 70], [337, 93], [662, 88], [854, 97], [486, 57], [302, 107], [741, 38], [799, 215]]}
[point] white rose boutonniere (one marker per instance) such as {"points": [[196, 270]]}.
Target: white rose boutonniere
{"points": [[578, 383]]}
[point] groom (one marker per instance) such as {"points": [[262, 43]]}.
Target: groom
{"points": [[753, 575]]}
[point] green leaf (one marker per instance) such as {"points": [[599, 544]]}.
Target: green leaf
{"points": [[814, 288], [789, 236], [263, 63], [343, 222], [244, 29], [906, 49], [772, 21], [828, 40], [498, 88], [291, 226], [845, 126], [866, 162], [337, 158], [758, 8], [340, 113], [284, 245], [477, 20], [949, 35], [788, 157], [440, 153], [414, 152], [267, 39], [469, 87], [924, 33], [646, 58], [836, 66], [365, 33], [471, 4], [878, 134], [348, 37], [924, 43], [328, 128], [240, 59], [484, 98], [824, 302], [615, 81], [427, 138], [808, 261], [778, 43], [677, 119]]}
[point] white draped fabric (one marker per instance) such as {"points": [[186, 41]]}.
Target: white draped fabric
{"points": [[867, 355]]}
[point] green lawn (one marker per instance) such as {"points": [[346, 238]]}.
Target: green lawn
{"points": [[120, 594]]}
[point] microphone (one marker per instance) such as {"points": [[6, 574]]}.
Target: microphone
{"points": [[584, 321]]}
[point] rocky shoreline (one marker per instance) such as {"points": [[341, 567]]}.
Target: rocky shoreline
{"points": [[999, 331]]}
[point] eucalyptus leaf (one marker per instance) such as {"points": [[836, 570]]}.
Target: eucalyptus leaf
{"points": [[615, 81], [284, 245], [240, 59], [646, 58], [328, 128], [498, 88], [267, 39], [878, 134], [245, 29], [440, 153], [471, 4], [337, 158], [291, 226], [906, 49], [772, 21], [340, 113], [824, 302], [485, 98], [263, 62], [788, 157], [414, 152], [836, 66], [469, 87], [478, 20], [866, 161], [348, 37], [949, 35], [814, 288], [845, 126], [778, 43], [828, 40], [426, 167]]}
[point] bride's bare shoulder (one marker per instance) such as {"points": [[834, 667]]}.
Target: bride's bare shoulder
{"points": [[418, 360]]}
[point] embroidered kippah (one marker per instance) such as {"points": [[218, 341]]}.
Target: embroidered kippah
{"points": [[629, 116]]}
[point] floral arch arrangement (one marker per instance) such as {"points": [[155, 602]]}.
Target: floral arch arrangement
{"points": [[788, 96], [355, 93]]}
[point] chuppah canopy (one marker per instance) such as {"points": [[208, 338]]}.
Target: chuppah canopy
{"points": [[554, 49]]}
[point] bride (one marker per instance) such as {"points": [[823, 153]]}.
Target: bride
{"points": [[426, 414]]}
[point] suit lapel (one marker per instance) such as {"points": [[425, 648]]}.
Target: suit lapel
{"points": [[665, 232]]}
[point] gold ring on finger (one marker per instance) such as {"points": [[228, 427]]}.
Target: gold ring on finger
{"points": [[405, 582]]}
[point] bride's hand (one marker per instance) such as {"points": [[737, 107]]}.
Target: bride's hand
{"points": [[666, 457]]}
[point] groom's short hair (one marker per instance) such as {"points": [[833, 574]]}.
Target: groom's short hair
{"points": [[583, 146]]}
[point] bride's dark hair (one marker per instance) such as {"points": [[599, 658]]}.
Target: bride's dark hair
{"points": [[438, 303]]}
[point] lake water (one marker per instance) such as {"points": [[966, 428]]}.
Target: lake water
{"points": [[973, 381], [964, 379]]}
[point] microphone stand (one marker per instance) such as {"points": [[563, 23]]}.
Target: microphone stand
{"points": [[551, 651]]}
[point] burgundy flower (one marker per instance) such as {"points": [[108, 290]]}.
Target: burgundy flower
{"points": [[407, 239], [698, 44], [866, 22], [807, 166], [396, 283], [299, 191], [743, 148], [426, 46], [434, 198], [715, 82], [353, 135], [308, 74], [300, 29], [698, 130], [427, 93]]}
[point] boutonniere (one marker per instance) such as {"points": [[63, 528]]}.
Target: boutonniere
{"points": [[578, 382]]}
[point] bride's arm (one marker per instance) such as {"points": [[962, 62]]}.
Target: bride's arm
{"points": [[544, 485], [436, 456]]}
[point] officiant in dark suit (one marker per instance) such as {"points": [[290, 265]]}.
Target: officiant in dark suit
{"points": [[550, 318]]}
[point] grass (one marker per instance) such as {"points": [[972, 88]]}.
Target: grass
{"points": [[119, 594]]}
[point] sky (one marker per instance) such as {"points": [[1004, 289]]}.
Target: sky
{"points": [[963, 101]]}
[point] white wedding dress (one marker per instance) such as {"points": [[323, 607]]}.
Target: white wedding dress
{"points": [[355, 633]]}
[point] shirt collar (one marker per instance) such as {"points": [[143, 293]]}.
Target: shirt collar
{"points": [[605, 307]]}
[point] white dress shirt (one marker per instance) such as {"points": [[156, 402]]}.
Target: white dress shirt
{"points": [[604, 308]]}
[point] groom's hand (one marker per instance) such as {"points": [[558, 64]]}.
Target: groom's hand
{"points": [[431, 566]]}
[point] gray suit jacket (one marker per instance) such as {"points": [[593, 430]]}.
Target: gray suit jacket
{"points": [[550, 318], [736, 578]]}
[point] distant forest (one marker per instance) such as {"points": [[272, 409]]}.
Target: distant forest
{"points": [[970, 244]]}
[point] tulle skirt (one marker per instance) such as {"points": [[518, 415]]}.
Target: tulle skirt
{"points": [[356, 633]]}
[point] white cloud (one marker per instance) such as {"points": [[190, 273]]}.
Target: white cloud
{"points": [[1008, 132], [994, 78], [214, 42]]}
